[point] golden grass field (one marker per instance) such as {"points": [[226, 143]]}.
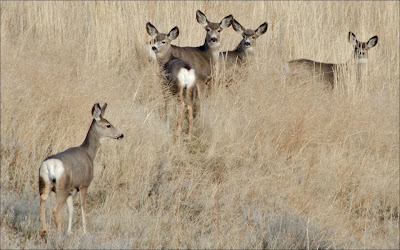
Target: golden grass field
{"points": [[273, 162]]}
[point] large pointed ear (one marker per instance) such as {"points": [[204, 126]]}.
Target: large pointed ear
{"points": [[173, 34], [372, 42], [226, 22], [103, 109], [151, 30], [237, 27], [96, 112], [262, 29], [352, 39], [201, 18]]}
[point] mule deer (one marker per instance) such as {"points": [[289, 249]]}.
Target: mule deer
{"points": [[203, 58], [329, 71], [178, 75], [246, 46], [71, 171]]}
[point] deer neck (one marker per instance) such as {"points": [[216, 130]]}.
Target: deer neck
{"points": [[361, 67], [164, 58], [212, 52], [92, 142], [241, 52]]}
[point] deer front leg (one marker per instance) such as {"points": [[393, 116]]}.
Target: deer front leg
{"points": [[165, 96], [70, 205], [83, 192]]}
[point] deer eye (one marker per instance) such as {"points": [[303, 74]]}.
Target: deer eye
{"points": [[108, 126], [219, 31], [163, 42], [208, 30]]}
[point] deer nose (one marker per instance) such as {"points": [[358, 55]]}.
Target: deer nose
{"points": [[247, 43], [213, 39], [154, 48], [120, 137]]}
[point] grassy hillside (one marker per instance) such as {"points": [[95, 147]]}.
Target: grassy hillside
{"points": [[273, 163]]}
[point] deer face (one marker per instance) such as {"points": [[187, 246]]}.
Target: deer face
{"points": [[361, 48], [213, 30], [104, 129], [249, 36], [161, 42]]}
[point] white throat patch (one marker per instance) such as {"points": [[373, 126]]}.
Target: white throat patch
{"points": [[362, 60]]}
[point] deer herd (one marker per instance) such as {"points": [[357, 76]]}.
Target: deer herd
{"points": [[185, 74]]}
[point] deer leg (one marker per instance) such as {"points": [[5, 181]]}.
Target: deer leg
{"points": [[180, 113], [44, 191], [190, 109], [165, 105], [83, 192], [70, 205], [61, 199]]}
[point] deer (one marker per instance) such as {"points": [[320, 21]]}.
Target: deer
{"points": [[329, 71], [178, 75], [246, 46], [71, 171], [203, 58]]}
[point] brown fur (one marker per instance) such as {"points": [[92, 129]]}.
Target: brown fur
{"points": [[328, 71], [77, 165], [171, 66], [203, 58]]}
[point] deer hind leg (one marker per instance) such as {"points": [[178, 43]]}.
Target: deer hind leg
{"points": [[44, 191], [61, 199], [196, 101], [180, 113], [83, 192], [190, 100]]}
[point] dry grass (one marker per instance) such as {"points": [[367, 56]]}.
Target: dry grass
{"points": [[273, 163]]}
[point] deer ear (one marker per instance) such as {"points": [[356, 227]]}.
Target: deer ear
{"points": [[262, 29], [103, 109], [173, 34], [237, 27], [201, 18], [226, 22], [151, 30], [96, 112], [352, 39], [372, 42]]}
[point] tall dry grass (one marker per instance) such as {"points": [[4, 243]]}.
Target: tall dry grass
{"points": [[274, 163]]}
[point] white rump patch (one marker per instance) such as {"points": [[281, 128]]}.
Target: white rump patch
{"points": [[186, 77], [51, 170]]}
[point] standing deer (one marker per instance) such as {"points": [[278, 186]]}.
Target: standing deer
{"points": [[178, 75], [329, 71], [71, 171], [246, 46], [203, 58]]}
